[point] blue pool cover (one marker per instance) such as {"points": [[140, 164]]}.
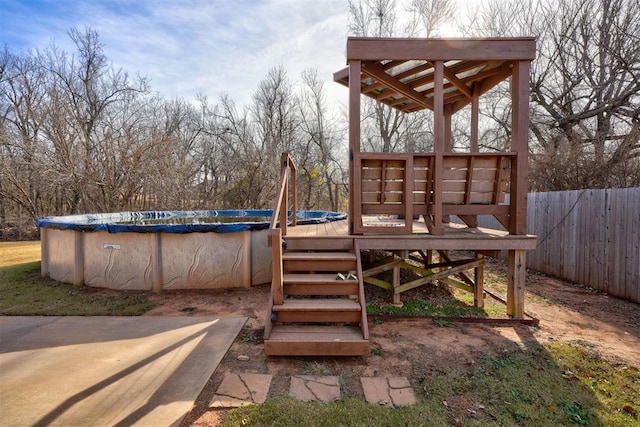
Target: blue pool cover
{"points": [[180, 221]]}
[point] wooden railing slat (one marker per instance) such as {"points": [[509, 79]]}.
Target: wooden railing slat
{"points": [[463, 179]]}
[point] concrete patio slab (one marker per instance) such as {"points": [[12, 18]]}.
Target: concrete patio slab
{"points": [[241, 389], [393, 391], [312, 388], [144, 371]]}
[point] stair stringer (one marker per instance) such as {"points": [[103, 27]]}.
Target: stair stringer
{"points": [[364, 325]]}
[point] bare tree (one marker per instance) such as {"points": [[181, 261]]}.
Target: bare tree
{"points": [[373, 18], [429, 16], [22, 98], [319, 141], [241, 171], [274, 111], [81, 90], [585, 88]]}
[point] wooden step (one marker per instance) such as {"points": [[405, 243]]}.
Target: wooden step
{"points": [[318, 284], [319, 243], [318, 304], [319, 261], [316, 340], [318, 311]]}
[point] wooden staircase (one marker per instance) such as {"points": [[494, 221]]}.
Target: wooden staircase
{"points": [[323, 312]]}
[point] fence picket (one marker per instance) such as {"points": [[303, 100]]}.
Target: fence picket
{"points": [[590, 237]]}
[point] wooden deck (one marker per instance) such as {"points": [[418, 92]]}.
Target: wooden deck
{"points": [[388, 190], [455, 237]]}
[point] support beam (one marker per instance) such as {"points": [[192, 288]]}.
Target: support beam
{"points": [[275, 237], [516, 276], [284, 207], [478, 288], [459, 84], [498, 75], [438, 145], [475, 113], [396, 284], [448, 136], [519, 144], [354, 139], [376, 71], [474, 49]]}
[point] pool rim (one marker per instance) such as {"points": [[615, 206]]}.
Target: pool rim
{"points": [[108, 221]]}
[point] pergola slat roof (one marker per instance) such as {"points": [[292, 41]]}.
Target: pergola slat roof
{"points": [[405, 78]]}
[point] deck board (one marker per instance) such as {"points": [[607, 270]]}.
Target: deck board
{"points": [[311, 340], [313, 278], [456, 237], [315, 333], [333, 304], [320, 256]]}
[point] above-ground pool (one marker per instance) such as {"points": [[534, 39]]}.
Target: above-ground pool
{"points": [[163, 250]]}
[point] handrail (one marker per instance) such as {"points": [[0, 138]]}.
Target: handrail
{"points": [[280, 208], [275, 233]]}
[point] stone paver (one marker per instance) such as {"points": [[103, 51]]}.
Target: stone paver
{"points": [[311, 388], [393, 391], [241, 389]]}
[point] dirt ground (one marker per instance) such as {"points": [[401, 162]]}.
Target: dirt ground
{"points": [[415, 348]]}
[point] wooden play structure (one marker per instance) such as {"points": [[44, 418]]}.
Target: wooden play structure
{"points": [[402, 203]]}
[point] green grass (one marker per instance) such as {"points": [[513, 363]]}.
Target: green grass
{"points": [[616, 386], [286, 411], [23, 292], [437, 299], [555, 385], [417, 307], [458, 304]]}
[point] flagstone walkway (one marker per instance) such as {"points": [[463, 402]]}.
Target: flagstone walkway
{"points": [[245, 389]]}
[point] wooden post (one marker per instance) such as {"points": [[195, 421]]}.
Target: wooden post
{"points": [[478, 289], [275, 236], [294, 198], [519, 144], [407, 196], [516, 276], [429, 258], [448, 137], [284, 206], [396, 282], [438, 145], [354, 138], [404, 254], [475, 113]]}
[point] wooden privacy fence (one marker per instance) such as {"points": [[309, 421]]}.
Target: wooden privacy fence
{"points": [[590, 237]]}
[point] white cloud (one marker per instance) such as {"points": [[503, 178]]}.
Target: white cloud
{"points": [[191, 47], [187, 47]]}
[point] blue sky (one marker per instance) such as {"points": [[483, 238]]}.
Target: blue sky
{"points": [[186, 47]]}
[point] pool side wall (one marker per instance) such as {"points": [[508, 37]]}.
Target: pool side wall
{"points": [[156, 261]]}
